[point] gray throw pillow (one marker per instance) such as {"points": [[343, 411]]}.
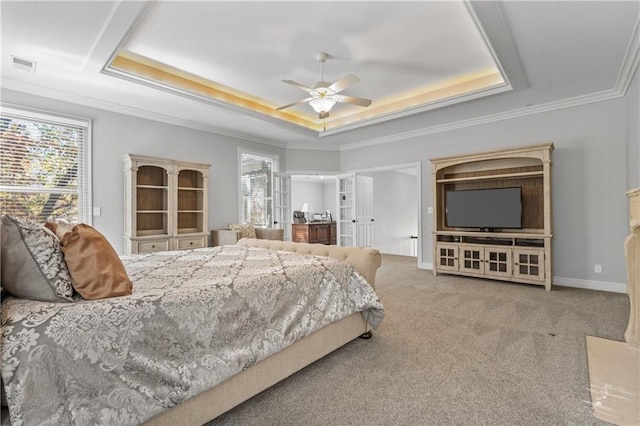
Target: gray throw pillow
{"points": [[33, 265]]}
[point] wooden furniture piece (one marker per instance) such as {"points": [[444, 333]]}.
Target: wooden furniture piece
{"points": [[165, 204], [520, 255], [614, 367], [314, 232], [266, 373], [223, 237]]}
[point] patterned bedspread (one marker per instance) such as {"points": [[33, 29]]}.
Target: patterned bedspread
{"points": [[195, 318]]}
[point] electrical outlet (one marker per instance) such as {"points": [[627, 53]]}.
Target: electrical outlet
{"points": [[598, 269], [430, 210]]}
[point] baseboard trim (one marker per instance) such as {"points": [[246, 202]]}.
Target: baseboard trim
{"points": [[590, 284], [572, 282], [426, 265]]}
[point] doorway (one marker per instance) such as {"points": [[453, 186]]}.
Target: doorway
{"points": [[396, 209], [396, 204]]}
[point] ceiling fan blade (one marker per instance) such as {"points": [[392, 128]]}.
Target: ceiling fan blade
{"points": [[343, 83], [295, 103], [352, 100], [299, 86]]}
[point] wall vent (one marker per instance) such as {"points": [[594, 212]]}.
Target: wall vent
{"points": [[24, 64]]}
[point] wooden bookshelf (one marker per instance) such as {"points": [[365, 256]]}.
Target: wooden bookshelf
{"points": [[165, 204]]}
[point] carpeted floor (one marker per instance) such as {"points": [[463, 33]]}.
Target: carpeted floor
{"points": [[452, 350]]}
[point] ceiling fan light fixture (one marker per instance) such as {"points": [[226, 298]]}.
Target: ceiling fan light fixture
{"points": [[324, 95], [322, 104]]}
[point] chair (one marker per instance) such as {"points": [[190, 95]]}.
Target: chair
{"points": [[222, 237]]}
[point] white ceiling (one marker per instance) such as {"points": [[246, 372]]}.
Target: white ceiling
{"points": [[551, 53]]}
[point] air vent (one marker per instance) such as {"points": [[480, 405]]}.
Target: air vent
{"points": [[23, 64]]}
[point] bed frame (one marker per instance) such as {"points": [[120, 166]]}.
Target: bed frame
{"points": [[266, 373]]}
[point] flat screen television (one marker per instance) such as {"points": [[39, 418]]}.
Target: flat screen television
{"points": [[485, 209]]}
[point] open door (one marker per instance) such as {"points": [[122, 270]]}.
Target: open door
{"points": [[364, 211], [282, 214], [346, 210], [355, 210]]}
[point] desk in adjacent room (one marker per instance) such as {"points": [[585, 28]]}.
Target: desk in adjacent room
{"points": [[314, 232]]}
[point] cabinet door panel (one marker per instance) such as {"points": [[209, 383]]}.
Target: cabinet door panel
{"points": [[471, 259], [497, 261], [447, 257], [529, 264]]}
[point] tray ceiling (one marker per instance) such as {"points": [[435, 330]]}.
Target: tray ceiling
{"points": [[218, 66], [236, 55]]}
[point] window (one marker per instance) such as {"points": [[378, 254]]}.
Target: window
{"points": [[44, 166], [256, 181]]}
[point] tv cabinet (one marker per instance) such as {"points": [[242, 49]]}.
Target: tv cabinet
{"points": [[518, 255]]}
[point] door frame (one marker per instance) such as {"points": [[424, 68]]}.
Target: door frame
{"points": [[418, 166], [414, 164]]}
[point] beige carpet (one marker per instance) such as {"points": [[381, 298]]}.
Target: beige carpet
{"points": [[452, 350]]}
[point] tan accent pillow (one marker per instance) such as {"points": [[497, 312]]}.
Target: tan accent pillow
{"points": [[246, 230], [59, 228], [96, 269]]}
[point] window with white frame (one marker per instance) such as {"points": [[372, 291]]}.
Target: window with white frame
{"points": [[256, 188], [44, 166]]}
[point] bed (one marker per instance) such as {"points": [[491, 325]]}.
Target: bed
{"points": [[198, 336]]}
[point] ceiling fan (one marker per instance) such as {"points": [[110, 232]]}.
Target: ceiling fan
{"points": [[323, 95]]}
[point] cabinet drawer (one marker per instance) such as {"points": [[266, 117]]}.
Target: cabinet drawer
{"points": [[190, 243], [151, 246]]}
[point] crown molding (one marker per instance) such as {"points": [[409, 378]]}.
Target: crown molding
{"points": [[630, 63], [63, 96], [630, 66], [490, 118]]}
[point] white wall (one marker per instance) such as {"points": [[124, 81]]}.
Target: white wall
{"points": [[311, 193], [596, 160], [395, 208], [116, 134], [588, 180], [307, 160], [330, 197], [320, 196], [633, 132]]}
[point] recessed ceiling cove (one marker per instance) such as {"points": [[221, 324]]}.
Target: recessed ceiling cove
{"points": [[409, 57]]}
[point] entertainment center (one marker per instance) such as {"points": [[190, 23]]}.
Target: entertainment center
{"points": [[492, 215]]}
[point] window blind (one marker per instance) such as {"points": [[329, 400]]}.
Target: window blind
{"points": [[44, 166], [257, 186]]}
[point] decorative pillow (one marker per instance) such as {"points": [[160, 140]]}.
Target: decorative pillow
{"points": [[59, 228], [33, 265], [96, 269], [246, 230]]}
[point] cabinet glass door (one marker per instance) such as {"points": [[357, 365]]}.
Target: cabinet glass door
{"points": [[497, 262], [471, 259], [529, 264], [447, 256]]}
